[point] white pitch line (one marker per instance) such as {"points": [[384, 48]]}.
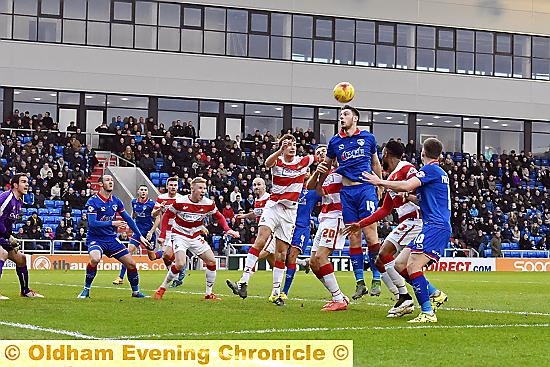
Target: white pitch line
{"points": [[49, 330], [445, 308], [316, 329]]}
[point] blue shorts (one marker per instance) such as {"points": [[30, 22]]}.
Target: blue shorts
{"points": [[432, 241], [134, 240], [358, 202], [109, 247], [301, 238]]}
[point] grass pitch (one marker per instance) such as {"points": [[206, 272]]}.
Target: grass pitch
{"points": [[491, 319]]}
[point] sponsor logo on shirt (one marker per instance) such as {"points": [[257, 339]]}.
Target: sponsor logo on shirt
{"points": [[356, 153]]}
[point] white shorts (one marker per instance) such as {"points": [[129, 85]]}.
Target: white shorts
{"points": [[270, 245], [328, 234], [197, 245], [404, 233], [167, 241], [281, 220]]}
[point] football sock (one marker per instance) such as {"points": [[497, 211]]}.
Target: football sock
{"points": [[420, 286], [431, 289], [122, 272], [172, 274], [1, 267], [133, 278], [327, 273], [23, 275], [91, 271], [278, 273], [357, 262], [210, 278], [396, 278], [373, 254], [289, 277], [250, 263], [389, 283]]}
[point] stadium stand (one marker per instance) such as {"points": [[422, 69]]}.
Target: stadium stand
{"points": [[505, 194]]}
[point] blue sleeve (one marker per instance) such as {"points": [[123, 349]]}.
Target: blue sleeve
{"points": [[93, 222], [426, 175], [124, 214], [120, 206], [330, 149], [373, 144]]}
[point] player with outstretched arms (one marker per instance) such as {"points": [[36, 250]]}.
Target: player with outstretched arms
{"points": [[355, 151], [279, 214], [328, 237], [103, 208], [10, 211], [187, 215], [142, 207], [409, 226], [432, 190], [166, 252]]}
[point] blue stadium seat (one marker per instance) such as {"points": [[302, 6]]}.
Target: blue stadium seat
{"points": [[76, 213], [42, 212], [245, 249], [488, 252], [54, 211], [154, 175], [49, 203], [506, 246], [545, 162], [59, 203], [514, 246], [164, 176], [307, 251], [4, 162], [216, 242]]}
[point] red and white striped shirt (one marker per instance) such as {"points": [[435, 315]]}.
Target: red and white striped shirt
{"points": [[405, 209], [288, 180], [331, 206], [189, 220], [167, 200], [259, 205]]}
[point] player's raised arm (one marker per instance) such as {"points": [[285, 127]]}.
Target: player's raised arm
{"points": [[400, 186], [249, 215], [272, 159]]}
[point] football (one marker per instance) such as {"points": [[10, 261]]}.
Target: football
{"points": [[344, 92]]}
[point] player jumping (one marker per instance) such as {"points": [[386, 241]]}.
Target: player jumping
{"points": [[355, 151]]}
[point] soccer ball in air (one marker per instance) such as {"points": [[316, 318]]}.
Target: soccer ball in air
{"points": [[344, 92]]}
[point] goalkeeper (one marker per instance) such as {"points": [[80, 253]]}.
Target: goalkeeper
{"points": [[10, 212]]}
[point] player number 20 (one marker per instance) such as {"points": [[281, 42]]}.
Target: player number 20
{"points": [[328, 233]]}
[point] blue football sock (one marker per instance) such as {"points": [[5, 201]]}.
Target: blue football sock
{"points": [[91, 272], [133, 278], [1, 267], [289, 277], [431, 289], [375, 272], [420, 286], [122, 272], [357, 262]]}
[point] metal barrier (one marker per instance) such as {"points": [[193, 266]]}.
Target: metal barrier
{"points": [[460, 252]]}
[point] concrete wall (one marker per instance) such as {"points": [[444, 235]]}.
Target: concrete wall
{"points": [[203, 76], [128, 179]]}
